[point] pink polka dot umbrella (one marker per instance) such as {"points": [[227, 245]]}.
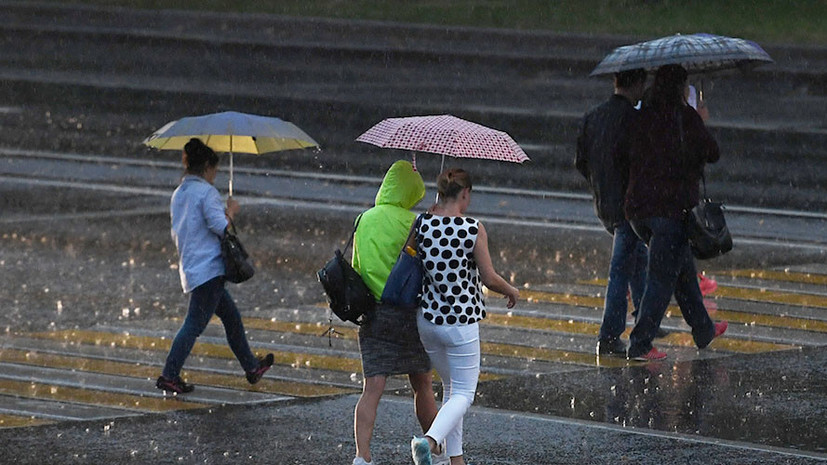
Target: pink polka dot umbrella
{"points": [[444, 135]]}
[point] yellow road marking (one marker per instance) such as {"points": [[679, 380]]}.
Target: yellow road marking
{"points": [[756, 295], [551, 355], [15, 421], [724, 343], [95, 397], [773, 275], [127, 341], [137, 370], [545, 324], [775, 321], [585, 328], [559, 298], [766, 295]]}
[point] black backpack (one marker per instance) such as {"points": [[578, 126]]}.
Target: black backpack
{"points": [[348, 296]]}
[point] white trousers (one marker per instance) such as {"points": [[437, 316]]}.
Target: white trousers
{"points": [[455, 355]]}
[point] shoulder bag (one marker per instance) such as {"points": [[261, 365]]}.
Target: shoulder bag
{"points": [[348, 296], [237, 264], [404, 285], [709, 235]]}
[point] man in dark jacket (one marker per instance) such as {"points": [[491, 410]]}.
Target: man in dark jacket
{"points": [[602, 158]]}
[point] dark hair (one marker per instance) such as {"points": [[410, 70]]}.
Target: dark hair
{"points": [[451, 182], [668, 86], [630, 77], [199, 156]]}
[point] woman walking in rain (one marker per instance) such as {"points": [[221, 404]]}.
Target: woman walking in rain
{"points": [[199, 221], [456, 260], [388, 340], [669, 147]]}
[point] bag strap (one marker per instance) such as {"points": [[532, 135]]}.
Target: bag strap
{"points": [[230, 229], [703, 180], [414, 230], [680, 134], [353, 233]]}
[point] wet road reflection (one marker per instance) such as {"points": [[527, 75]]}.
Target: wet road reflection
{"points": [[770, 399]]}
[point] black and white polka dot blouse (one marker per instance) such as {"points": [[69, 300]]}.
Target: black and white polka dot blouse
{"points": [[451, 294]]}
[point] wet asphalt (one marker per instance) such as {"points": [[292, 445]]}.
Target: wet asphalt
{"points": [[768, 407]]}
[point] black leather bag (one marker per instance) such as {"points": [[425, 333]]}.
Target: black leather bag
{"points": [[709, 235], [348, 296], [237, 264]]}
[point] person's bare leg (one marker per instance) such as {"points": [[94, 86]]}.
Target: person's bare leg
{"points": [[424, 402], [364, 417]]}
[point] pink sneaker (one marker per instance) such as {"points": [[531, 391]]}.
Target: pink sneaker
{"points": [[707, 285], [720, 328], [653, 355]]}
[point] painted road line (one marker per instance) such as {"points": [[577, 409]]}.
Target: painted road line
{"points": [[497, 349], [59, 411], [757, 295], [16, 421], [488, 348], [35, 390], [773, 321], [765, 295], [291, 359], [143, 387], [678, 339], [741, 346], [775, 275], [762, 319], [552, 355], [137, 370], [544, 354]]}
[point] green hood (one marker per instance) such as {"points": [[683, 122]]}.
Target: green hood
{"points": [[383, 229], [402, 186]]}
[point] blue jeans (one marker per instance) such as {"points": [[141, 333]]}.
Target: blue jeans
{"points": [[627, 270], [671, 270], [205, 300]]}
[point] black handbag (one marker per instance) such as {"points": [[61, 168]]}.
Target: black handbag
{"points": [[348, 296], [237, 265], [404, 285], [709, 235]]}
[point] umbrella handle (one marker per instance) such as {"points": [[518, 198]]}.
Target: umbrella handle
{"points": [[231, 174]]}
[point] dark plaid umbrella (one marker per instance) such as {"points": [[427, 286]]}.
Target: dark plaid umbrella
{"points": [[698, 53]]}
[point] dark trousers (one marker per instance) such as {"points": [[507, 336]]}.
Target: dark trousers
{"points": [[205, 300], [627, 271], [671, 270]]}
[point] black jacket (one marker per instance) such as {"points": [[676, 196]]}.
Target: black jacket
{"points": [[602, 156], [664, 168]]}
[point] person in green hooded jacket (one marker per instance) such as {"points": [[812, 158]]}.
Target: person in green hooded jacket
{"points": [[388, 339]]}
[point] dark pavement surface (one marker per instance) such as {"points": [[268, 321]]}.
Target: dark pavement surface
{"points": [[320, 432], [98, 261]]}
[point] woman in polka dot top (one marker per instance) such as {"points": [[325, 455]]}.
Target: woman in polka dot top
{"points": [[456, 260]]}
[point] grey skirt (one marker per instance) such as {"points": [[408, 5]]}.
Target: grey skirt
{"points": [[389, 343]]}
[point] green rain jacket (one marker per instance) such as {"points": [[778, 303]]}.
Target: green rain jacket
{"points": [[384, 228]]}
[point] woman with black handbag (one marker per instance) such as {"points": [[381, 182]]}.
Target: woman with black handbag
{"points": [[669, 147], [199, 221]]}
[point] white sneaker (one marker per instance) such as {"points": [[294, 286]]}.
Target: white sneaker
{"points": [[440, 459], [361, 461]]}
